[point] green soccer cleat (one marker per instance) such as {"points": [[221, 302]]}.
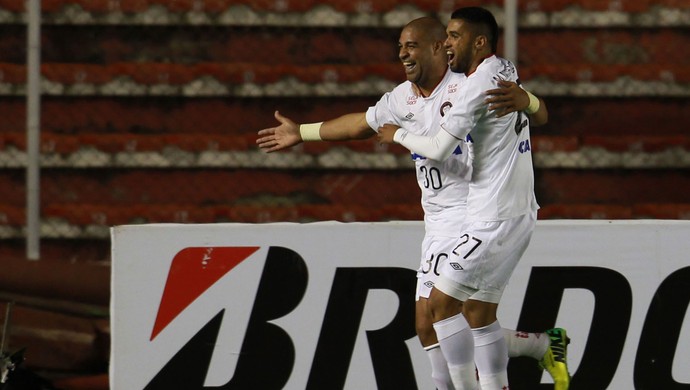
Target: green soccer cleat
{"points": [[555, 360]]}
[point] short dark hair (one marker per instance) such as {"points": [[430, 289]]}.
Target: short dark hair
{"points": [[483, 18]]}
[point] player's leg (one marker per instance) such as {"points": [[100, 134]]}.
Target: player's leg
{"points": [[549, 348], [427, 336], [555, 360], [434, 253], [528, 344], [504, 243], [490, 348], [477, 272], [455, 338]]}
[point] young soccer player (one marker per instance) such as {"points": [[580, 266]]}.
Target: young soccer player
{"points": [[420, 104], [501, 208]]}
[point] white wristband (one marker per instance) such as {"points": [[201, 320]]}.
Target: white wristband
{"points": [[533, 104], [310, 131]]}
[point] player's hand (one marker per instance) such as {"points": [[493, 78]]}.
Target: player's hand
{"points": [[277, 138], [506, 99], [386, 133]]}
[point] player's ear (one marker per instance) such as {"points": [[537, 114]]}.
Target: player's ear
{"points": [[439, 46], [480, 42]]}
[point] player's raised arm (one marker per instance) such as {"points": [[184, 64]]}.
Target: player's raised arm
{"points": [[285, 135], [511, 97], [288, 133]]}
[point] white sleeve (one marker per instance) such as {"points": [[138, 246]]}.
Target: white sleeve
{"points": [[381, 113], [438, 147]]}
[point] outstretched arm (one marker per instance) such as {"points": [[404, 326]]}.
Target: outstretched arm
{"points": [[288, 133], [511, 97]]}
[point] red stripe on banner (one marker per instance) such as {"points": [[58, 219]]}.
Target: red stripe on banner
{"points": [[192, 272]]}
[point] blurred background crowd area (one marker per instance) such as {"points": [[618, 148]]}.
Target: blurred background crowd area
{"points": [[150, 108]]}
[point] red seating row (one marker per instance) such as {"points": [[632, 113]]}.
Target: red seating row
{"points": [[212, 186], [291, 188], [603, 46], [150, 74], [109, 215], [180, 74], [197, 143], [114, 143], [126, 47], [221, 116], [573, 73], [217, 6], [613, 211], [612, 186]]}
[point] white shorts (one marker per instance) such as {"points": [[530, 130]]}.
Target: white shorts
{"points": [[435, 250], [484, 257]]}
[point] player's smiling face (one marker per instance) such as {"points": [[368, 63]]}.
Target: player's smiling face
{"points": [[459, 46], [415, 53]]}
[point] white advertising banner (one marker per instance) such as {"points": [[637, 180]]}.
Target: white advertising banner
{"points": [[330, 305]]}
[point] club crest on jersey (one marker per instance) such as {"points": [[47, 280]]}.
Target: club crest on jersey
{"points": [[445, 107]]}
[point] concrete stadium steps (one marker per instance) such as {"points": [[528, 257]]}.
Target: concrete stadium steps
{"points": [[341, 12], [78, 222], [206, 150], [94, 199], [616, 211], [612, 186], [615, 116], [132, 6], [229, 151], [213, 117], [184, 45], [599, 46], [176, 114], [92, 222], [192, 213], [259, 80], [218, 187], [341, 5], [72, 242], [256, 47], [87, 226]]}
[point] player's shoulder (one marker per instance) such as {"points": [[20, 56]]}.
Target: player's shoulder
{"points": [[454, 77], [495, 66], [449, 86], [403, 89]]}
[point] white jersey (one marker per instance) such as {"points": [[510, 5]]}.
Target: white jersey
{"points": [[502, 185], [444, 185]]}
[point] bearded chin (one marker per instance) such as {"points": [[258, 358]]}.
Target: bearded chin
{"points": [[458, 67]]}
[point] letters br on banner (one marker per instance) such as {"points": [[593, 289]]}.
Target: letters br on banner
{"points": [[330, 305]]}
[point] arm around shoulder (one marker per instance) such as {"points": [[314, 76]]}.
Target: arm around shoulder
{"points": [[538, 114]]}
